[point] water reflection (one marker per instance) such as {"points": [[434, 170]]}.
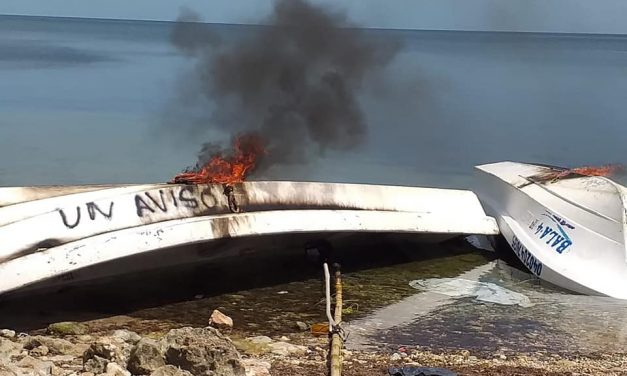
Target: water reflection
{"points": [[557, 322]]}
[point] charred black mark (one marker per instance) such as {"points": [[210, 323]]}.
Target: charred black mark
{"points": [[48, 243], [242, 194], [523, 185], [66, 277], [64, 218], [92, 208], [141, 205], [220, 228], [207, 199], [230, 196]]}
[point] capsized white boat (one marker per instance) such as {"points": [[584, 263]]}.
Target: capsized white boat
{"points": [[569, 231], [57, 235]]}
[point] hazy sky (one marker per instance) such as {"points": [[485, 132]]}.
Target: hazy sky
{"points": [[586, 16]]}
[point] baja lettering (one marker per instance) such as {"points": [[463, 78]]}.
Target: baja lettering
{"points": [[553, 235], [547, 231], [565, 244], [556, 238]]}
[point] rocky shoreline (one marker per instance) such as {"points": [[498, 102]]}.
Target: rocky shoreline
{"points": [[160, 325], [72, 349]]}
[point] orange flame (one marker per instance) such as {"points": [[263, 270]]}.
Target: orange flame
{"points": [[247, 148], [605, 170]]}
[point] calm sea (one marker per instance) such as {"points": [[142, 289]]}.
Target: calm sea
{"points": [[87, 101]]}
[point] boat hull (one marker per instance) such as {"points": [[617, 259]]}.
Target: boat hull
{"points": [[70, 234], [569, 233]]}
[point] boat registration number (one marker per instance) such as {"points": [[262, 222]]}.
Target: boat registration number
{"points": [[532, 263]]}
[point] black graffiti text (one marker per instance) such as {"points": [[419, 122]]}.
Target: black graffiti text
{"points": [[161, 201], [93, 210]]}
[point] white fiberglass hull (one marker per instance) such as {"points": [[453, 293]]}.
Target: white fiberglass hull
{"points": [[51, 234], [569, 232]]}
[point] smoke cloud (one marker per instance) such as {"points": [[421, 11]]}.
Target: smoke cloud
{"points": [[293, 83]]}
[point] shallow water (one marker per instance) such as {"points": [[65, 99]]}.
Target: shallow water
{"points": [[381, 309], [557, 322]]}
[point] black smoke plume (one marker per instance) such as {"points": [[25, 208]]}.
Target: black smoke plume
{"points": [[293, 81]]}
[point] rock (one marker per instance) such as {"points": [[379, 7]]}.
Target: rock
{"points": [[88, 374], [6, 333], [40, 351], [109, 348], [202, 351], [255, 367], [146, 357], [86, 338], [114, 369], [285, 349], [221, 321], [253, 345], [95, 364], [302, 326], [6, 370], [60, 359], [260, 340], [395, 357], [8, 349], [423, 371], [67, 328], [170, 371], [126, 336], [36, 366], [56, 346]]}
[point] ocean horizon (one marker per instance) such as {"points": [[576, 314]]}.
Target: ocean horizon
{"points": [[96, 101]]}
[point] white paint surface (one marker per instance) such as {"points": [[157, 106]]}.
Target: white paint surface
{"points": [[66, 229], [588, 211]]}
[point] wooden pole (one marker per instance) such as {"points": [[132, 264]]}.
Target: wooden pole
{"points": [[336, 338]]}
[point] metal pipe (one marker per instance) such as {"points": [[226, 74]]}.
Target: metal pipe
{"points": [[327, 285]]}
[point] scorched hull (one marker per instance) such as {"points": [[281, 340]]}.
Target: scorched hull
{"points": [[52, 235]]}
